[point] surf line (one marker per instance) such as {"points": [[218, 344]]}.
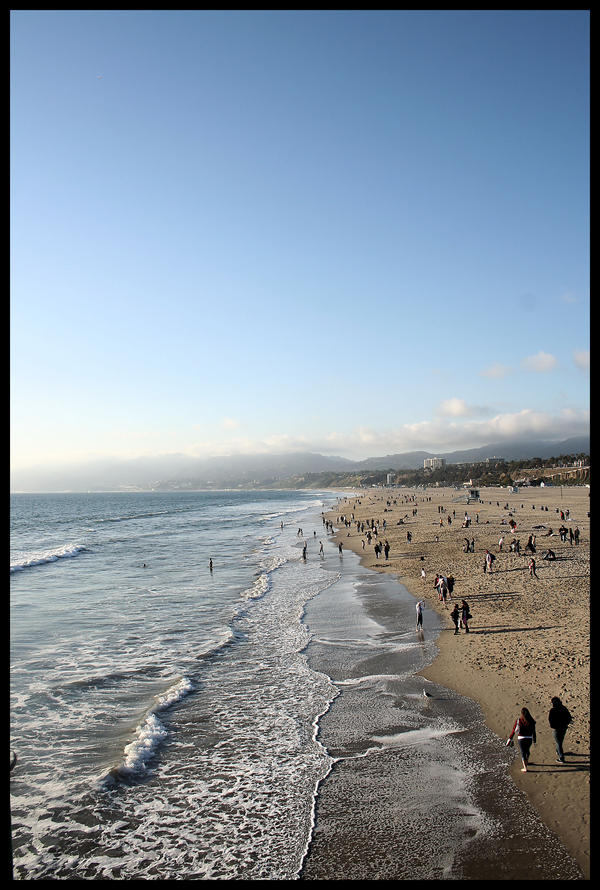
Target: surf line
{"points": [[319, 781]]}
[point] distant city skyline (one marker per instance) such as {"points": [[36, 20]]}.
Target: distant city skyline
{"points": [[349, 232]]}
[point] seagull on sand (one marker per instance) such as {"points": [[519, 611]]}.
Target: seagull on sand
{"points": [[426, 694]]}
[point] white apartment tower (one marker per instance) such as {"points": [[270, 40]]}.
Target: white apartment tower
{"points": [[434, 463]]}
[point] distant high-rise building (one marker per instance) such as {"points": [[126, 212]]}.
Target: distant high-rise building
{"points": [[434, 463]]}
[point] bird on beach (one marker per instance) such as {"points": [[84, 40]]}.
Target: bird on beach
{"points": [[426, 694]]}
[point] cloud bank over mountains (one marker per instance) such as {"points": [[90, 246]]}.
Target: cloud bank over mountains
{"points": [[173, 471]]}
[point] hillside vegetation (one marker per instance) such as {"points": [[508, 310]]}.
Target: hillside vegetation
{"points": [[554, 471]]}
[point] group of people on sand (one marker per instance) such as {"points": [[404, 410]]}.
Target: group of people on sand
{"points": [[460, 615], [444, 586], [559, 719]]}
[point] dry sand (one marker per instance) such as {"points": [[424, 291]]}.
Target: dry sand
{"points": [[530, 637]]}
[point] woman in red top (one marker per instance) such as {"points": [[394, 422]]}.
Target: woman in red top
{"points": [[525, 729]]}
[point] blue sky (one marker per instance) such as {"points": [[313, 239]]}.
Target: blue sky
{"points": [[350, 232]]}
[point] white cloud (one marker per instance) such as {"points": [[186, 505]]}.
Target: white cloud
{"points": [[496, 370], [454, 408], [581, 357], [459, 408], [540, 363], [451, 433], [230, 423], [439, 435]]}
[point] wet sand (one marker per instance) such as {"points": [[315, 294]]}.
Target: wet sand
{"points": [[529, 641]]}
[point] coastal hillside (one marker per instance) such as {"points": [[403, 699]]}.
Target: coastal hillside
{"points": [[496, 464]]}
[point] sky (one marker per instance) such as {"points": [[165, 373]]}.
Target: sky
{"points": [[352, 232]]}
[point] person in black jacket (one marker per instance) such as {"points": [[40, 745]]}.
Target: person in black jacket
{"points": [[455, 615], [559, 719]]}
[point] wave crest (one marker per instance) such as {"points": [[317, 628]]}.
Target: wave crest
{"points": [[149, 735], [46, 556]]}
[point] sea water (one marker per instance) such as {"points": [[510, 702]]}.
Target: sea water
{"points": [[163, 715]]}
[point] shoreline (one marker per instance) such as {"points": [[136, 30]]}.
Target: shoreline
{"points": [[529, 636]]}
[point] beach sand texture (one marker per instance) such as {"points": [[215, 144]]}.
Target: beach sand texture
{"points": [[529, 637]]}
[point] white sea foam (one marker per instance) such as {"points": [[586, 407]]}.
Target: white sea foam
{"points": [[259, 588], [42, 557], [174, 694], [149, 735], [370, 678], [415, 736]]}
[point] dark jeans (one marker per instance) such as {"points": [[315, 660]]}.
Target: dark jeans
{"points": [[559, 735], [525, 746]]}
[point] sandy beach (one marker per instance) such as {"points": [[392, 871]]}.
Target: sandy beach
{"points": [[529, 636]]}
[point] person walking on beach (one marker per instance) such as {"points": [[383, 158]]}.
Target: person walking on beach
{"points": [[423, 575], [524, 726], [419, 607], [455, 615], [465, 615], [559, 719], [321, 548], [340, 548], [532, 573]]}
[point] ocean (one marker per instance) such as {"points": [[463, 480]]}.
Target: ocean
{"points": [[176, 722], [163, 715]]}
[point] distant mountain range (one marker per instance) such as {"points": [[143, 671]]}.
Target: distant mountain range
{"points": [[178, 471]]}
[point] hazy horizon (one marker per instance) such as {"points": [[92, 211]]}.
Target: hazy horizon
{"points": [[114, 474], [347, 232]]}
